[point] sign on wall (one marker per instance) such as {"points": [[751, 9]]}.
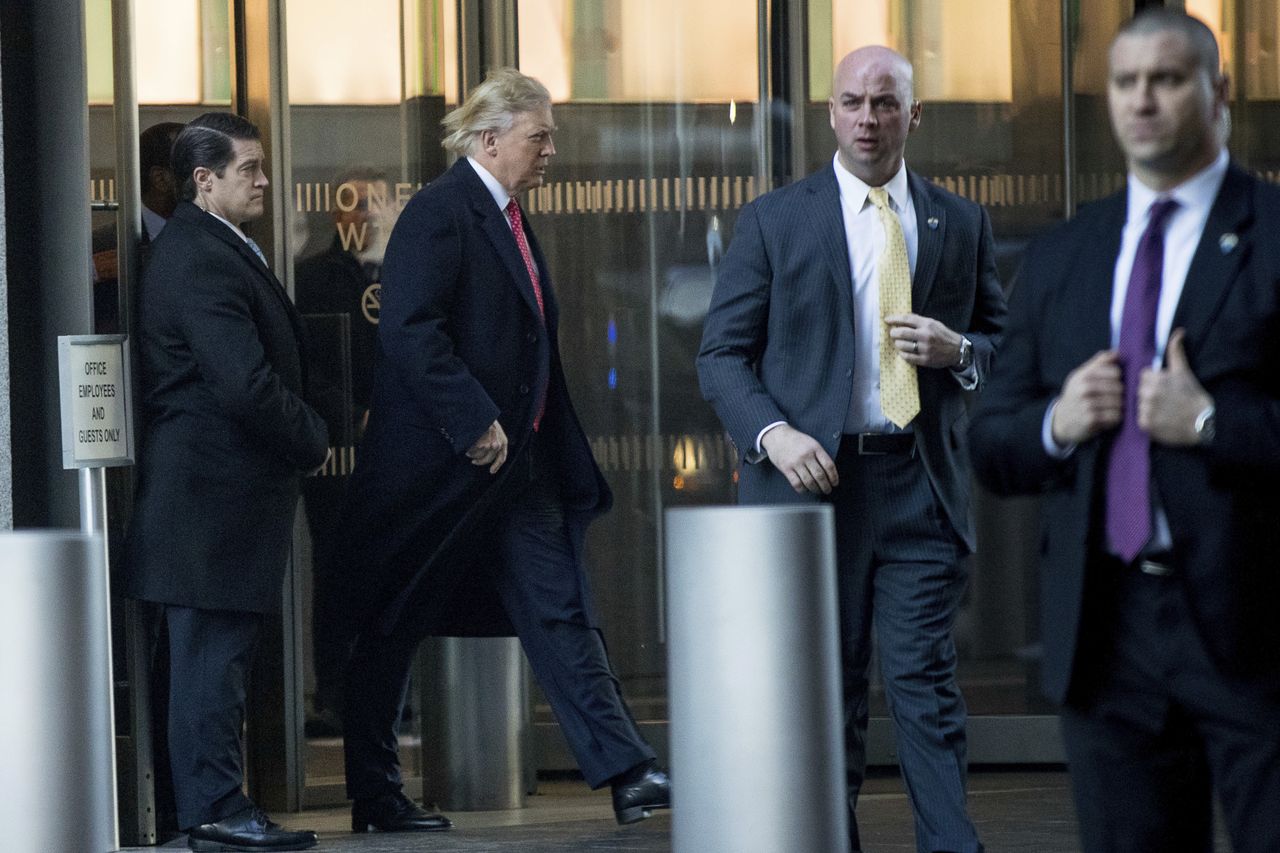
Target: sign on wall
{"points": [[97, 422]]}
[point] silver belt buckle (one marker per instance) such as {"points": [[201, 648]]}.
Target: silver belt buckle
{"points": [[862, 452], [1151, 567]]}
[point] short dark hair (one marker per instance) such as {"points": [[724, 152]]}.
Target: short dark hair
{"points": [[155, 146], [1156, 19], [207, 141]]}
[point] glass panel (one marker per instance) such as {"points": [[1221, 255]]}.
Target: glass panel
{"points": [[656, 115], [1250, 36], [183, 50], [942, 37], [367, 92], [624, 51]]}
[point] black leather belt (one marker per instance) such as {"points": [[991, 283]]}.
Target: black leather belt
{"points": [[881, 443]]}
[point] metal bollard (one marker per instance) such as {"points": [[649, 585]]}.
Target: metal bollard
{"points": [[757, 756], [476, 723], [57, 744]]}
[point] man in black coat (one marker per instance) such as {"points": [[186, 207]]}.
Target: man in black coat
{"points": [[475, 483], [227, 438], [1139, 391]]}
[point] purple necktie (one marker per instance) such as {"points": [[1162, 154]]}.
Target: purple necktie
{"points": [[1129, 468]]}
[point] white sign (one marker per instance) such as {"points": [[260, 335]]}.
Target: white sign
{"points": [[97, 423]]}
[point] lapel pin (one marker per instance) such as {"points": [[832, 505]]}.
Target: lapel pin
{"points": [[1227, 242], [933, 222]]}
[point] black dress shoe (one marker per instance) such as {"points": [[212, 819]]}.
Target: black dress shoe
{"points": [[639, 791], [395, 813], [248, 830]]}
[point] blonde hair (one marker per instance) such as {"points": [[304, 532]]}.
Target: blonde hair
{"points": [[493, 105]]}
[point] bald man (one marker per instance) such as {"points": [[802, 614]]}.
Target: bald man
{"points": [[851, 314]]}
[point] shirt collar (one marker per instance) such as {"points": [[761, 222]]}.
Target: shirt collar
{"points": [[1196, 192], [229, 224], [153, 222], [499, 193], [855, 190]]}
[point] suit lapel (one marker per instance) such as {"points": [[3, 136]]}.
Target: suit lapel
{"points": [[1086, 303], [1217, 260], [493, 222], [931, 229], [828, 221]]}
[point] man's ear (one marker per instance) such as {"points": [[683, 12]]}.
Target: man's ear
{"points": [[203, 177]]}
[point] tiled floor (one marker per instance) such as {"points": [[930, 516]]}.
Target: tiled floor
{"points": [[1016, 812]]}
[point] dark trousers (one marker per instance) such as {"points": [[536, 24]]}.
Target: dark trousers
{"points": [[1161, 728], [322, 500], [543, 589], [211, 653], [901, 573]]}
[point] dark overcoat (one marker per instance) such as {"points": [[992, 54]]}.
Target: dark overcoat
{"points": [[460, 344], [1221, 501], [226, 432]]}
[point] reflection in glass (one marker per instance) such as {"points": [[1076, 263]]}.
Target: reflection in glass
{"points": [[367, 88], [640, 50], [655, 156]]}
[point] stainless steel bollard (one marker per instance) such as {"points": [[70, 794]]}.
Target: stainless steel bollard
{"points": [[757, 759], [476, 723], [57, 746]]}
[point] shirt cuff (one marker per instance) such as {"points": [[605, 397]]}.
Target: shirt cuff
{"points": [[968, 378], [1051, 447], [760, 437]]}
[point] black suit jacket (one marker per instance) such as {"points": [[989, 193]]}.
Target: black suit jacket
{"points": [[778, 344], [1222, 504], [460, 345], [226, 433]]}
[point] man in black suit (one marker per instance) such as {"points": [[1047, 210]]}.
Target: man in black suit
{"points": [[472, 491], [851, 312], [1139, 390], [227, 437]]}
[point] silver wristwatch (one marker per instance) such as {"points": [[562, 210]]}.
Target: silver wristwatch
{"points": [[966, 355], [1204, 427]]}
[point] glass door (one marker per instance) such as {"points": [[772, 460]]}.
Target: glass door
{"points": [[366, 89], [656, 104]]}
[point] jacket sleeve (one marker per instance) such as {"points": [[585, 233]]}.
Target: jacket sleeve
{"points": [[1005, 431], [422, 272], [986, 329], [734, 338], [216, 309]]}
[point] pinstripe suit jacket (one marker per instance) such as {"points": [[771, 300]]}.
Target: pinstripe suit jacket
{"points": [[778, 344]]}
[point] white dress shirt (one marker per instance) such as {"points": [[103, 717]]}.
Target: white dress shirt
{"points": [[865, 239], [500, 195], [152, 222]]}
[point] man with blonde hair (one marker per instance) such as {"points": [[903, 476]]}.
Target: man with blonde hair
{"points": [[475, 483]]}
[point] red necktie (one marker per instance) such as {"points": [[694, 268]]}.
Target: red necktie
{"points": [[522, 243], [1129, 468]]}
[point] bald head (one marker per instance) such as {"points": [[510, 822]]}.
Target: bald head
{"points": [[877, 59], [873, 109]]}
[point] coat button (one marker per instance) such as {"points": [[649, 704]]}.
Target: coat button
{"points": [[524, 389], [531, 336], [835, 435]]}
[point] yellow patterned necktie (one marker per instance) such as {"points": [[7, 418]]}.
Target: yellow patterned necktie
{"points": [[899, 388]]}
